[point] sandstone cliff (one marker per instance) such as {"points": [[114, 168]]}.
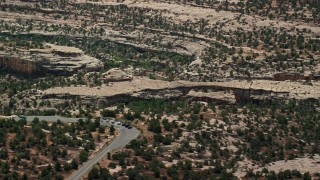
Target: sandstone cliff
{"points": [[52, 59], [219, 92], [17, 64]]}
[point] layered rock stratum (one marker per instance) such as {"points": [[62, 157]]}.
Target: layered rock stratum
{"points": [[228, 92], [51, 59]]}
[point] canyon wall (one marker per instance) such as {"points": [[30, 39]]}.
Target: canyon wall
{"points": [[288, 76], [19, 65], [294, 77]]}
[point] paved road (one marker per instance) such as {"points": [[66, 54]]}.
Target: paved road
{"points": [[51, 118], [125, 136]]}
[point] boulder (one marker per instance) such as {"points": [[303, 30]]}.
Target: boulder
{"points": [[116, 74]]}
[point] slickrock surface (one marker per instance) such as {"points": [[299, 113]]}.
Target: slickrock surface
{"points": [[305, 164], [226, 97]]}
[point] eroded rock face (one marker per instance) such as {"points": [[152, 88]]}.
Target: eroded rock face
{"points": [[289, 76], [294, 77], [52, 59], [17, 64], [256, 95]]}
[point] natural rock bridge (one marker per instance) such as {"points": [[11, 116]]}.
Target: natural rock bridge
{"points": [[221, 92]]}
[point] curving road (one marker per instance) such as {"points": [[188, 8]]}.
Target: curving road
{"points": [[124, 137]]}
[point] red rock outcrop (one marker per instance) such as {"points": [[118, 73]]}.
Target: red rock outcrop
{"points": [[18, 64]]}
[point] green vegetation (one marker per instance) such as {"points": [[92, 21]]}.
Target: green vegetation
{"points": [[31, 145]]}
